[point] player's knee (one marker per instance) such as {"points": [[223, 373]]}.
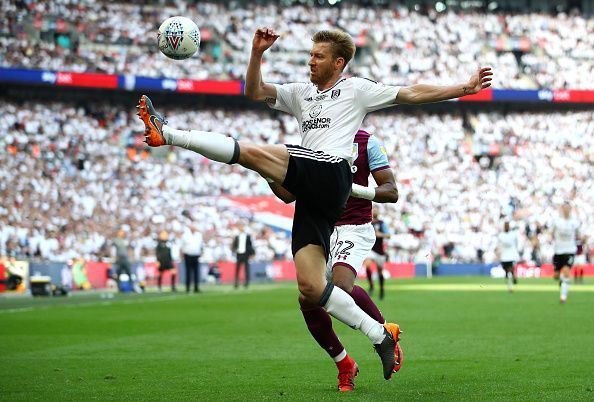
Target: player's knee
{"points": [[249, 154], [344, 283], [308, 289]]}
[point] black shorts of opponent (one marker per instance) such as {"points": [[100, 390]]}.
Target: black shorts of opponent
{"points": [[563, 260], [508, 266], [321, 184]]}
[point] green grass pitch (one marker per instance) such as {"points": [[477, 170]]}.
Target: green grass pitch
{"points": [[464, 339]]}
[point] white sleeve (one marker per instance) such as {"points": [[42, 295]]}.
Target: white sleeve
{"points": [[287, 96], [372, 95]]}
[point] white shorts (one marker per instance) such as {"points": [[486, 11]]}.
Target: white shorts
{"points": [[350, 245], [379, 259]]}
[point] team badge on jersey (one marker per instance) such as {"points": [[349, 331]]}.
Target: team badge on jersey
{"points": [[354, 155], [335, 93], [355, 151]]}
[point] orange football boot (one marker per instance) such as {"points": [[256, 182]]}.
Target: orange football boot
{"points": [[394, 329], [347, 371], [153, 122], [389, 350]]}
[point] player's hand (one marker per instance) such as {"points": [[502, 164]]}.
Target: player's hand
{"points": [[479, 80], [263, 39]]}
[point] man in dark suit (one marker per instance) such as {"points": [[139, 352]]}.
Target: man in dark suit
{"points": [[243, 249]]}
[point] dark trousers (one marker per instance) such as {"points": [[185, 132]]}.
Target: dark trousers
{"points": [[245, 261], [123, 268], [192, 263]]}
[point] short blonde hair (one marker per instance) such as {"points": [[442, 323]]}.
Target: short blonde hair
{"points": [[342, 43]]}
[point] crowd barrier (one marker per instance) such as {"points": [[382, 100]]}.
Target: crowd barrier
{"points": [[98, 273], [130, 82]]}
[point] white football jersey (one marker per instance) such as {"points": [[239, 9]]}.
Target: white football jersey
{"points": [[565, 233], [329, 119], [509, 246]]}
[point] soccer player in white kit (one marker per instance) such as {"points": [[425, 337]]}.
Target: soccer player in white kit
{"points": [[330, 110], [565, 235], [508, 247]]}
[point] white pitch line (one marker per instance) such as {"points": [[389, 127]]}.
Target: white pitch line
{"points": [[486, 287], [141, 299]]}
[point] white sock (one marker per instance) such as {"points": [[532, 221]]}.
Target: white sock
{"points": [[564, 288], [340, 356], [215, 146], [510, 281], [342, 307]]}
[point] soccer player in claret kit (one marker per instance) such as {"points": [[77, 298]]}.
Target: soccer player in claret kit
{"points": [[377, 254], [330, 110], [565, 236], [350, 243]]}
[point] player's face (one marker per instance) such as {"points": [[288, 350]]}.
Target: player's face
{"points": [[566, 210], [322, 63]]}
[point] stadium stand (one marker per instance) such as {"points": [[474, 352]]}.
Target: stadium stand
{"points": [[528, 50], [458, 175]]}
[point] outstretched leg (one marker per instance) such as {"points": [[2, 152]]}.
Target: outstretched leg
{"points": [[268, 160]]}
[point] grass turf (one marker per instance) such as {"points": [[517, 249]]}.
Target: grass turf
{"points": [[464, 339]]}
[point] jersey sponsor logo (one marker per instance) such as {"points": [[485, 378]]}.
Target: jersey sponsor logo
{"points": [[335, 93], [315, 112], [383, 150], [321, 97], [319, 122]]}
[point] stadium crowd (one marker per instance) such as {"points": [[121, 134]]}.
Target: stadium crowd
{"points": [[396, 45], [71, 177]]}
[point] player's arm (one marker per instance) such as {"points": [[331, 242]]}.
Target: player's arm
{"points": [[386, 191], [255, 88], [379, 166], [423, 93], [282, 193]]}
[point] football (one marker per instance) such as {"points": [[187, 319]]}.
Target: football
{"points": [[178, 38]]}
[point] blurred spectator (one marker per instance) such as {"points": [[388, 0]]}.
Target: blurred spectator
{"points": [[165, 260], [122, 256], [192, 249], [79, 273], [244, 250]]}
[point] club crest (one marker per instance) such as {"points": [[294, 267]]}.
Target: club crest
{"points": [[335, 93]]}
